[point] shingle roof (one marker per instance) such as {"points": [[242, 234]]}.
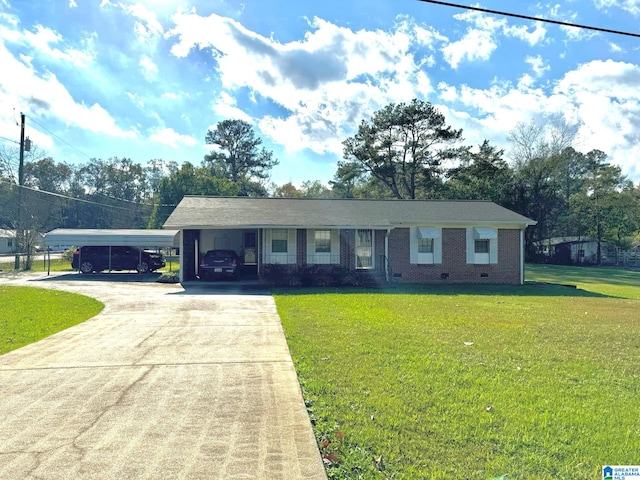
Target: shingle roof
{"points": [[249, 212]]}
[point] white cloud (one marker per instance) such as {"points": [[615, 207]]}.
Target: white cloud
{"points": [[600, 96], [72, 4], [168, 136], [537, 65], [325, 82], [171, 96], [577, 34], [615, 48], [523, 33], [46, 96], [225, 106], [480, 40], [475, 45], [42, 41], [135, 98], [149, 68], [147, 27], [631, 6]]}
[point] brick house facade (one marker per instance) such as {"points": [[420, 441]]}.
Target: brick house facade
{"points": [[398, 241]]}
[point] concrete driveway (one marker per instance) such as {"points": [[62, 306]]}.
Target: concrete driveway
{"points": [[165, 383]]}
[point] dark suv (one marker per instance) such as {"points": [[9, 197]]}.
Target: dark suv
{"points": [[216, 263], [96, 259]]}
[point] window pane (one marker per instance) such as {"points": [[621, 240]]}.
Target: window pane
{"points": [[323, 241], [364, 238], [482, 246], [278, 246], [364, 249], [279, 234], [279, 238], [425, 245]]}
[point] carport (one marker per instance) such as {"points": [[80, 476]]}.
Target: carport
{"points": [[105, 237]]}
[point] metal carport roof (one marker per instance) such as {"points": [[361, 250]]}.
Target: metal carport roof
{"points": [[124, 237]]}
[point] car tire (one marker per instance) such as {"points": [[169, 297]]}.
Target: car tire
{"points": [[143, 267], [86, 267]]}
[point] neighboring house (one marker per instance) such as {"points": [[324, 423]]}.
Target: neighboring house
{"points": [[425, 241], [7, 241], [577, 251]]}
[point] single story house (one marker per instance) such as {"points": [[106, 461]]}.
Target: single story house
{"points": [[7, 241], [425, 241]]}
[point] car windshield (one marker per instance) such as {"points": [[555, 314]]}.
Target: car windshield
{"points": [[220, 255]]}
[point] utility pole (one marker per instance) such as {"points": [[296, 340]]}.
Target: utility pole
{"points": [[20, 225]]}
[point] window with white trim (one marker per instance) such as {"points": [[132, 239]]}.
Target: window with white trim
{"points": [[323, 246], [279, 238], [279, 245], [322, 239], [482, 245], [425, 245]]}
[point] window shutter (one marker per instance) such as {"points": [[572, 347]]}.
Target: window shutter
{"points": [[493, 250], [470, 244], [413, 245], [437, 249]]}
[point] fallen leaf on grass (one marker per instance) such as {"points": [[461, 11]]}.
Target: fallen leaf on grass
{"points": [[330, 458]]}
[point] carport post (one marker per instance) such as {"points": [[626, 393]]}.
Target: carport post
{"points": [[196, 256], [258, 252]]}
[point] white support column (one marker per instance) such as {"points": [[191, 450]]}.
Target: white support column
{"points": [[181, 246], [386, 254], [522, 256], [196, 255]]}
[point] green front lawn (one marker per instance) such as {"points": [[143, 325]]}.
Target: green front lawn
{"points": [[478, 382], [29, 314]]}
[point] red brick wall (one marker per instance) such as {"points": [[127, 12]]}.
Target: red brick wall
{"points": [[506, 271], [348, 248]]}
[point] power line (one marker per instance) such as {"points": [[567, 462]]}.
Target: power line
{"points": [[535, 19], [9, 140], [60, 195], [60, 138]]}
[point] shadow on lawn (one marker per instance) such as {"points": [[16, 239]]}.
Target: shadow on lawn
{"points": [[529, 289]]}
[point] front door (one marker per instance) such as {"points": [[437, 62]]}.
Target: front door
{"points": [[250, 250], [364, 249]]}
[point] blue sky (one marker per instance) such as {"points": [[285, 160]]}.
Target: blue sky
{"points": [[146, 79]]}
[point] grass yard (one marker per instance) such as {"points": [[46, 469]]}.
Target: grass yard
{"points": [[478, 382], [29, 314], [7, 264]]}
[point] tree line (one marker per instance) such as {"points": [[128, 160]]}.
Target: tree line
{"points": [[404, 151]]}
